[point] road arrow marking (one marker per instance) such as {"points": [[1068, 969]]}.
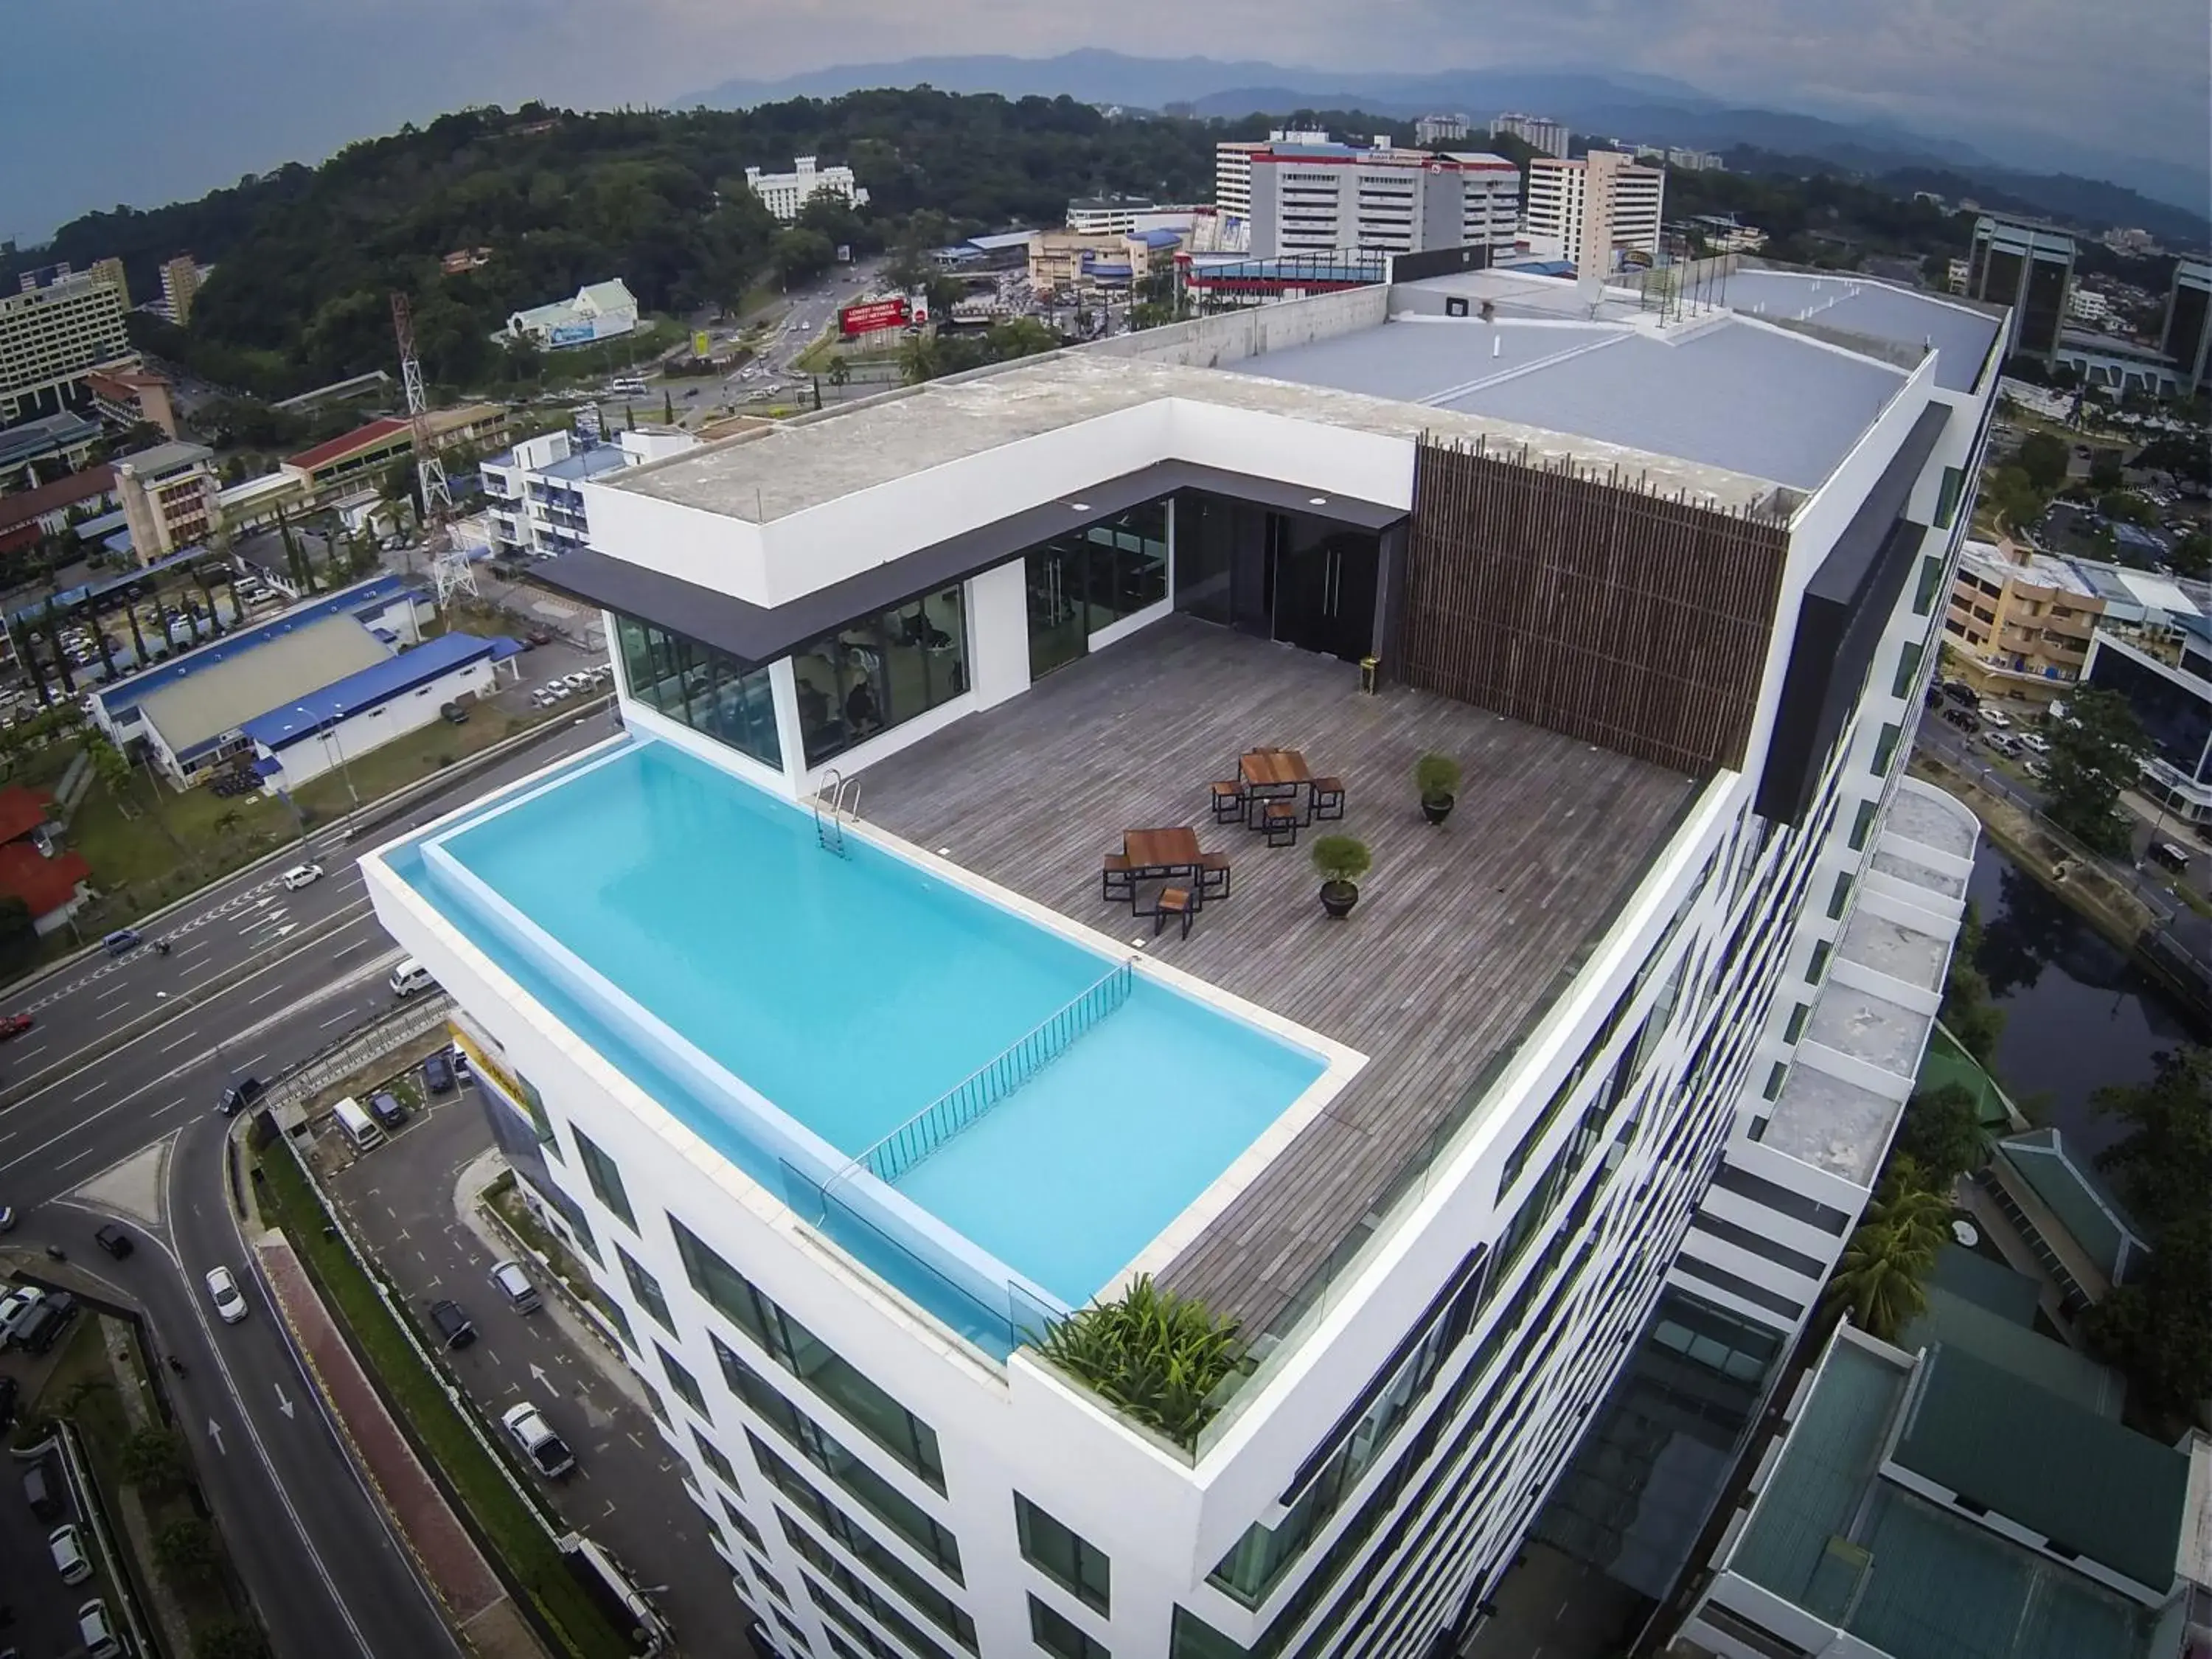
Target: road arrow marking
{"points": [[282, 1404], [537, 1373], [215, 1433]]}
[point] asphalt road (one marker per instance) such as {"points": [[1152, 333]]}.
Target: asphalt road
{"points": [[323, 1568], [626, 1490]]}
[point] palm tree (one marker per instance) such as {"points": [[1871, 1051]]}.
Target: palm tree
{"points": [[53, 626], [20, 637], [100, 639], [137, 639], [1880, 1283]]}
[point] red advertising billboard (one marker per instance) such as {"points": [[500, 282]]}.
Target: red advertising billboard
{"points": [[872, 314]]}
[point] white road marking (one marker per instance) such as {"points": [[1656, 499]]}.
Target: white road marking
{"points": [[112, 990], [273, 991], [188, 1036]]}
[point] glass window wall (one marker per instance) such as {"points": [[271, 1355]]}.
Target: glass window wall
{"points": [[880, 671], [1092, 578], [712, 693]]}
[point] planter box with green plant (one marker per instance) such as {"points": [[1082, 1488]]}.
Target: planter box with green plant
{"points": [[1151, 1353], [1341, 860], [1437, 777]]}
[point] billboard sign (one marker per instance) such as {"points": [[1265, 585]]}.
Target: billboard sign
{"points": [[870, 315], [570, 334], [702, 346]]}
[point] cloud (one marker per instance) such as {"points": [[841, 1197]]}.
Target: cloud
{"points": [[188, 93]]}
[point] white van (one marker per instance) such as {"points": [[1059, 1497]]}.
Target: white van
{"points": [[411, 976], [358, 1126]]}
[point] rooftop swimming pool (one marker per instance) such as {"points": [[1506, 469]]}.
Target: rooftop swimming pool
{"points": [[793, 1007]]}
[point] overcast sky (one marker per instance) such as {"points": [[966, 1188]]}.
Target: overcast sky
{"points": [[146, 101]]}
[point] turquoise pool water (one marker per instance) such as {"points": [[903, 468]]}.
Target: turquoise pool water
{"points": [[850, 992]]}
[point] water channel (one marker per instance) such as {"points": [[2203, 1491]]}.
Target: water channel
{"points": [[2079, 1014]]}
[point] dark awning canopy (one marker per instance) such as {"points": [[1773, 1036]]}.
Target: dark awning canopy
{"points": [[759, 634]]}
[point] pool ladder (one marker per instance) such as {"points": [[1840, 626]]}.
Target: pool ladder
{"points": [[836, 798]]}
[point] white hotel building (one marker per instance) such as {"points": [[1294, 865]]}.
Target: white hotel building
{"points": [[1665, 588]]}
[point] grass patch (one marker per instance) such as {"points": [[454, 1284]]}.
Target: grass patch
{"points": [[152, 845], [501, 1518]]}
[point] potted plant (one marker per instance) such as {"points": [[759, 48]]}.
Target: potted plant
{"points": [[1341, 859], [1436, 776]]}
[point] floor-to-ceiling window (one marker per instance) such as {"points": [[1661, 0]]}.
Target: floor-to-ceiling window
{"points": [[704, 689], [1090, 578], [880, 671]]}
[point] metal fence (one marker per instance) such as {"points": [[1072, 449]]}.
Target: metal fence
{"points": [[984, 1088]]}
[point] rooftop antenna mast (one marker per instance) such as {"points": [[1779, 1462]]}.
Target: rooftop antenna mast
{"points": [[450, 570]]}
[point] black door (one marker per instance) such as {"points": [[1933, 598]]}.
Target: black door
{"points": [[1324, 591]]}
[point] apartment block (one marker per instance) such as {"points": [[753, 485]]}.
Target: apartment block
{"points": [[53, 333], [532, 493], [923, 1059], [1440, 129], [1540, 132], [168, 494], [181, 278], [1311, 199], [1604, 202], [2020, 620], [2028, 266], [784, 194]]}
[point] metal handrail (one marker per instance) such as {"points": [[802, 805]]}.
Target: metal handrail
{"points": [[988, 1084]]}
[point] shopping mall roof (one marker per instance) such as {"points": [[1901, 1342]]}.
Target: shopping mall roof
{"points": [[373, 687]]}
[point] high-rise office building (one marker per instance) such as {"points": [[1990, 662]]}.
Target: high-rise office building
{"points": [[2028, 266], [1605, 201], [1309, 199], [1540, 132], [2187, 335], [53, 330], [1232, 165], [847, 1016]]}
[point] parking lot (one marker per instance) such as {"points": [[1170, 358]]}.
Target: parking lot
{"points": [[41, 1608], [625, 1493]]}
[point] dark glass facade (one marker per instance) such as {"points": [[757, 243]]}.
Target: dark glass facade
{"points": [[1092, 577], [1295, 577], [878, 672], [2178, 720], [701, 688]]}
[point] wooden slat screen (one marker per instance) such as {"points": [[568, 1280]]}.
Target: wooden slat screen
{"points": [[1591, 608]]}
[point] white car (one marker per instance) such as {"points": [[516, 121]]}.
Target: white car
{"points": [[2039, 744], [548, 1453], [303, 875], [1996, 717], [71, 1561], [578, 681], [222, 1289]]}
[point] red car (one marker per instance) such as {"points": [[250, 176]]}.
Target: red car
{"points": [[15, 1025], [537, 636]]}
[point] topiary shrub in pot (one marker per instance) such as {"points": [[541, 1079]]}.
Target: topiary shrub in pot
{"points": [[1437, 777], [1341, 860]]}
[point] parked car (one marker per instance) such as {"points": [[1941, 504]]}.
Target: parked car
{"points": [[223, 1292], [1965, 719], [240, 1092], [16, 1307], [1996, 717], [438, 1074], [537, 636], [96, 1630], [303, 875], [114, 1240], [15, 1025], [2035, 741], [508, 1279], [2170, 853], [66, 1545], [44, 1328], [386, 1110], [548, 1453], [452, 714], [1960, 692]]}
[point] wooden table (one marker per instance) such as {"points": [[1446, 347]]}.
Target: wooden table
{"points": [[1274, 768], [1159, 852]]}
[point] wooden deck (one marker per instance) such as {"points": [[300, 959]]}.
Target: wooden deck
{"points": [[1459, 930]]}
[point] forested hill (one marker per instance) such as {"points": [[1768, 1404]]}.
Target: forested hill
{"points": [[308, 258]]}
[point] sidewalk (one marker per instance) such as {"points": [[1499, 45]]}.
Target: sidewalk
{"points": [[447, 1557]]}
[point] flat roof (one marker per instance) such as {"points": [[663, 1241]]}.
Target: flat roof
{"points": [[1727, 394], [766, 475], [220, 696], [376, 593], [368, 688], [164, 458], [1961, 335], [1532, 865]]}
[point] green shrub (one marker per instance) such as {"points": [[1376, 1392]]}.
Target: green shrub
{"points": [[1341, 858], [1151, 1354], [1436, 776]]}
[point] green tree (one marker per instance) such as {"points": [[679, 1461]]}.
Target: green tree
{"points": [[2105, 469], [2043, 457], [2191, 556], [1967, 1012], [2093, 756], [108, 765], [186, 1549], [840, 372], [2163, 1162], [2125, 506], [667, 407], [1881, 1282], [19, 934], [154, 1458], [800, 254], [1943, 1133], [2019, 505]]}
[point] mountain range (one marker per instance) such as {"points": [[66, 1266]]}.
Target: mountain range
{"points": [[2145, 191]]}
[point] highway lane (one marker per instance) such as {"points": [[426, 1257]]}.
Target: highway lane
{"points": [[324, 1569], [288, 1503]]}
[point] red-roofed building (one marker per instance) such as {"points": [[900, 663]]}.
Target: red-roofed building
{"points": [[366, 449], [22, 810], [52, 888], [29, 513], [128, 396]]}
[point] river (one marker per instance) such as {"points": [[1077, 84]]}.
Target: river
{"points": [[2079, 1014]]}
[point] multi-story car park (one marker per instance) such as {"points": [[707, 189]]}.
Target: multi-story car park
{"points": [[1665, 585]]}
